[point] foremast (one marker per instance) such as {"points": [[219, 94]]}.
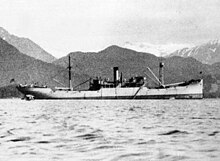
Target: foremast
{"points": [[70, 78]]}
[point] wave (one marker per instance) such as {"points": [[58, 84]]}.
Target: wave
{"points": [[20, 139], [214, 133], [89, 136], [174, 132]]}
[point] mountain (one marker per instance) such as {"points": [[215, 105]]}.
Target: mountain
{"points": [[133, 63], [16, 67], [208, 53], [26, 46], [158, 50], [101, 63]]}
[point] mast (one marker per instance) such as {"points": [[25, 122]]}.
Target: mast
{"points": [[70, 79]]}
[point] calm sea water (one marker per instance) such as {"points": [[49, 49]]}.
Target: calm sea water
{"points": [[124, 130]]}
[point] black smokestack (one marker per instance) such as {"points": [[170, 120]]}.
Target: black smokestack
{"points": [[161, 73], [116, 76]]}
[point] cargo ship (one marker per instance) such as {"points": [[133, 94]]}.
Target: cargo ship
{"points": [[134, 88]]}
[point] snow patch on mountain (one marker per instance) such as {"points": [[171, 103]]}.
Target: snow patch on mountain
{"points": [[158, 50], [207, 53], [213, 50], [214, 42]]}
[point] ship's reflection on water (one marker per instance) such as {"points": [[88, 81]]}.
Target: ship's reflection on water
{"points": [[110, 130]]}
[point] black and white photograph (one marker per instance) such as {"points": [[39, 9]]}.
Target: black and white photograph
{"points": [[109, 80]]}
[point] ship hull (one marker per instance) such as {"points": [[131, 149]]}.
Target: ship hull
{"points": [[190, 91]]}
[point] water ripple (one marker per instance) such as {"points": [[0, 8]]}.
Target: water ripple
{"points": [[172, 132], [110, 130], [21, 139]]}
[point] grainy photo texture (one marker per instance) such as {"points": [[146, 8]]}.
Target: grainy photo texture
{"points": [[113, 80]]}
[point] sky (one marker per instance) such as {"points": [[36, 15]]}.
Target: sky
{"points": [[64, 26]]}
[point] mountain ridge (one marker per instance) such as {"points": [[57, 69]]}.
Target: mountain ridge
{"points": [[26, 46], [207, 53]]}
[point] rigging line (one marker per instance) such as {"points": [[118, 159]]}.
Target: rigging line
{"points": [[53, 77], [58, 73], [154, 76], [151, 78], [82, 83], [58, 82]]}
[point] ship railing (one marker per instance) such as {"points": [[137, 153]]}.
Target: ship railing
{"points": [[174, 84], [183, 83], [62, 88], [32, 85]]}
